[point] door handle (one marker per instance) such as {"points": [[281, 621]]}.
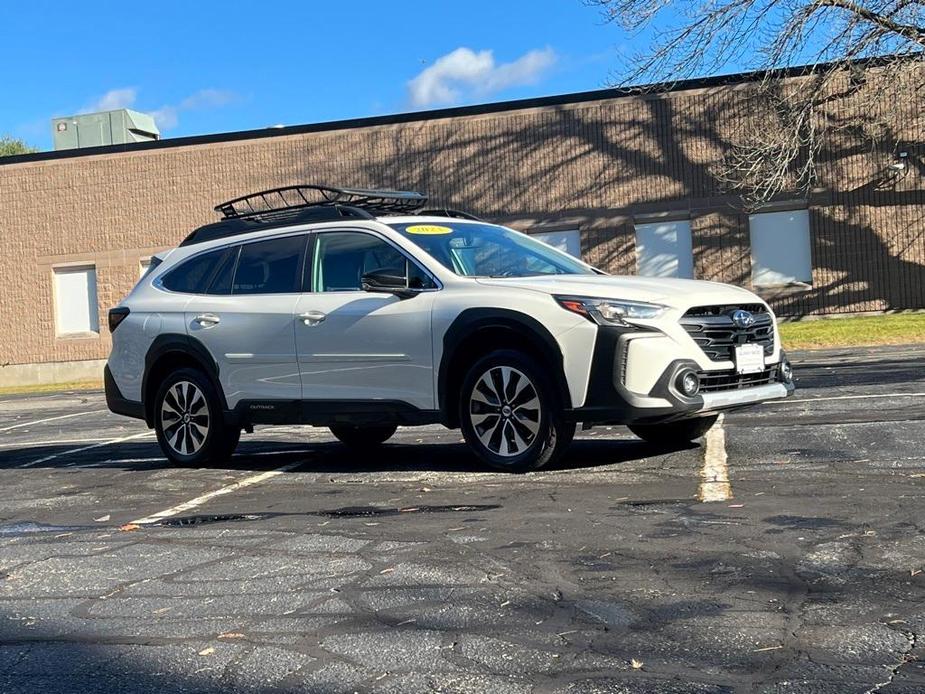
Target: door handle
{"points": [[312, 317], [207, 320]]}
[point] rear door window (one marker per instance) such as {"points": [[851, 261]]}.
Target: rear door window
{"points": [[273, 266]]}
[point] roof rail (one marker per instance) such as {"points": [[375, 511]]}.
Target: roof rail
{"points": [[448, 212], [270, 204]]}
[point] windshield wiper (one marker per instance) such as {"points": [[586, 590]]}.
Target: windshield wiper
{"points": [[534, 274]]}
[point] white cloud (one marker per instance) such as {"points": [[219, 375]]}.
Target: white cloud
{"points": [[112, 100], [167, 117], [464, 71], [207, 98]]}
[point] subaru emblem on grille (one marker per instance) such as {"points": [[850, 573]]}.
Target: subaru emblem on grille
{"points": [[743, 319]]}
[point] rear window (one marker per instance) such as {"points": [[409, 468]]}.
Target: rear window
{"points": [[193, 276]]}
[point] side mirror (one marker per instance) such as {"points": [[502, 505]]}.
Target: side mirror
{"points": [[384, 281]]}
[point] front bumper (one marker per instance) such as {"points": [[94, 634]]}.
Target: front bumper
{"points": [[609, 401], [746, 396]]}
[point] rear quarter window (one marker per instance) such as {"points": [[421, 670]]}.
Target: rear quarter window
{"points": [[193, 276]]}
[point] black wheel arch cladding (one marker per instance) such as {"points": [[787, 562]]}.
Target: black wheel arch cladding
{"points": [[177, 346], [521, 328]]}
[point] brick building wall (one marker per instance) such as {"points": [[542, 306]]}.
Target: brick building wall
{"points": [[598, 164]]}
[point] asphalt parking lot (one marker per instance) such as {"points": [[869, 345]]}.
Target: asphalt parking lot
{"points": [[782, 553]]}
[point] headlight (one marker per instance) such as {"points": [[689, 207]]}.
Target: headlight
{"points": [[610, 311]]}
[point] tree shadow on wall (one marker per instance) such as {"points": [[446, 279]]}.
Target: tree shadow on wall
{"points": [[597, 165], [865, 271]]}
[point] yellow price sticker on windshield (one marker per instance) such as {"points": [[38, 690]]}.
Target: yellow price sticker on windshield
{"points": [[428, 229]]}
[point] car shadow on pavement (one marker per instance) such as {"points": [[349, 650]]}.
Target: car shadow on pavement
{"points": [[591, 453], [858, 373], [327, 457]]}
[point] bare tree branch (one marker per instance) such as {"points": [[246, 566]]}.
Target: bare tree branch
{"points": [[861, 57], [908, 31]]}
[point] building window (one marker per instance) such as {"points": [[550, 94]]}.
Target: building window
{"points": [[663, 249], [76, 308], [781, 252], [567, 241]]}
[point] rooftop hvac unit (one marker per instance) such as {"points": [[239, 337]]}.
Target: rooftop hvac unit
{"points": [[104, 128]]}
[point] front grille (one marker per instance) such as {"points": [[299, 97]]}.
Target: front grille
{"points": [[724, 309], [712, 328], [716, 381]]}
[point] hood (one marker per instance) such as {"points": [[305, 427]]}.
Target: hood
{"points": [[677, 293]]}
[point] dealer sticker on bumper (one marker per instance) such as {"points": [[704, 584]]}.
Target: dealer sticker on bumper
{"points": [[749, 358]]}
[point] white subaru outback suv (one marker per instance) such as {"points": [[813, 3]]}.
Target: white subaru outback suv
{"points": [[362, 311]]}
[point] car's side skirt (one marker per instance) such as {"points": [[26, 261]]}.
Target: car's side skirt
{"points": [[328, 412]]}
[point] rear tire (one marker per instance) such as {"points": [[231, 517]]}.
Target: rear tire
{"points": [[189, 422], [362, 437], [510, 415], [683, 431]]}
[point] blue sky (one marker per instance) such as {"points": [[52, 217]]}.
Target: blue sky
{"points": [[205, 67]]}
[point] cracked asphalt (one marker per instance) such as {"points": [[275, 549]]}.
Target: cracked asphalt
{"points": [[414, 570]]}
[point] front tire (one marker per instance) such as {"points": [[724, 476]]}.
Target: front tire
{"points": [[362, 437], [510, 415], [683, 431], [189, 423]]}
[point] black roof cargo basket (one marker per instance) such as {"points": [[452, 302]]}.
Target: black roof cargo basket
{"points": [[269, 204], [245, 225], [303, 204]]}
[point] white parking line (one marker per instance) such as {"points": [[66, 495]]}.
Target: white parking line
{"points": [[200, 500], [84, 448], [51, 419], [55, 442], [714, 482]]}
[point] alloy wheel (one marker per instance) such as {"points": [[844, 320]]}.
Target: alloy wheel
{"points": [[185, 418], [504, 409]]}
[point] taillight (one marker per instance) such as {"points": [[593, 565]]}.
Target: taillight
{"points": [[116, 316]]}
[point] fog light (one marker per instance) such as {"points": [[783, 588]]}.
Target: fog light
{"points": [[786, 371], [688, 383]]}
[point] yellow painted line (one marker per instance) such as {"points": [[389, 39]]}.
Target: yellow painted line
{"points": [[200, 500], [51, 419], [714, 477], [48, 458]]}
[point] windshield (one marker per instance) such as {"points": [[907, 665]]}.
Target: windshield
{"points": [[486, 250]]}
